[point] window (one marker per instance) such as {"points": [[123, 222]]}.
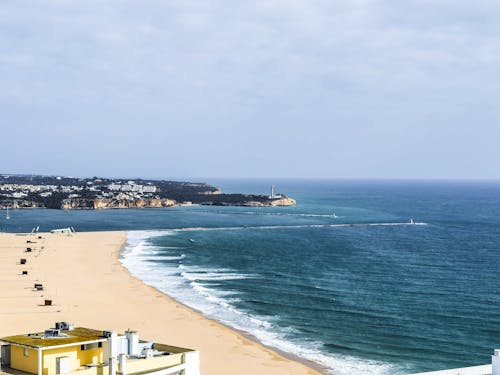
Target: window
{"points": [[92, 345]]}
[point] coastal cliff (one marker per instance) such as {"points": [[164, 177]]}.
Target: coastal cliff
{"points": [[21, 204], [275, 202], [69, 193], [217, 191], [284, 202], [101, 203], [136, 203]]}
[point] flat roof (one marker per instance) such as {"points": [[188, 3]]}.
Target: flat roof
{"points": [[37, 340]]}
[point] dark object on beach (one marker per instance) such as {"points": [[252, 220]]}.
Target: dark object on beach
{"points": [[39, 237], [22, 261], [25, 272], [48, 302], [38, 286], [28, 241], [28, 249]]}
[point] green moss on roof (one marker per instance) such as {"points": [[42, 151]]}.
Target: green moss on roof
{"points": [[79, 334]]}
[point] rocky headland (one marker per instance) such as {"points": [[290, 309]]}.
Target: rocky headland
{"points": [[69, 193], [272, 202]]}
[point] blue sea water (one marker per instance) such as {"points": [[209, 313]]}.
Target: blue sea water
{"points": [[359, 299]]}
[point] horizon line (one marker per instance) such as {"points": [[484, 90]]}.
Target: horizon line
{"points": [[259, 178]]}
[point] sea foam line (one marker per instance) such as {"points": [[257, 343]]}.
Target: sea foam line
{"points": [[137, 236], [297, 214], [193, 229], [188, 285], [268, 213]]}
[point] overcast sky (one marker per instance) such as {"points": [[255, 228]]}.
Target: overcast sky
{"points": [[262, 88]]}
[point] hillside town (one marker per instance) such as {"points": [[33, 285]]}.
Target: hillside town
{"points": [[19, 191]]}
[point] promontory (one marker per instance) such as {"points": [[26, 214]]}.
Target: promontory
{"points": [[70, 193]]}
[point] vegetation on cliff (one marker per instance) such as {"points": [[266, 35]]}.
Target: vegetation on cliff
{"points": [[97, 193]]}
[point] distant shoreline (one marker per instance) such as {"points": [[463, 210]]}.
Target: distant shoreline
{"points": [[70, 193]]}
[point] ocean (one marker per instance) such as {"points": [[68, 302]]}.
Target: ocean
{"points": [[366, 298]]}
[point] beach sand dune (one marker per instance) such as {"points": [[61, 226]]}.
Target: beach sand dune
{"points": [[87, 285]]}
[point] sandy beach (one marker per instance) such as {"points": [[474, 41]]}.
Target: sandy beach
{"points": [[88, 286]]}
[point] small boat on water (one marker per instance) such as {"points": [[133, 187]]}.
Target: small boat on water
{"points": [[191, 240]]}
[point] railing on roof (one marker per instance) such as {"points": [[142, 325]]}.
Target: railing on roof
{"points": [[141, 365]]}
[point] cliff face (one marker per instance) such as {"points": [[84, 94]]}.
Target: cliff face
{"points": [[275, 202], [136, 203], [283, 202], [77, 204], [105, 203], [102, 203], [20, 204], [217, 191]]}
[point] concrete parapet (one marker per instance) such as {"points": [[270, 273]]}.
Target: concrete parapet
{"points": [[474, 370], [495, 363], [192, 362]]}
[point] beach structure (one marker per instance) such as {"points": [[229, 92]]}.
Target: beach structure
{"points": [[69, 231], [66, 349]]}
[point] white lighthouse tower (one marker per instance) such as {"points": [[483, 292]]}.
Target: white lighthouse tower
{"points": [[274, 195]]}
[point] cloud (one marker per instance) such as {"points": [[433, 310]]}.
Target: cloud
{"points": [[224, 44], [327, 72]]}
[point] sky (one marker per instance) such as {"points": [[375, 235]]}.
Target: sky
{"points": [[264, 88]]}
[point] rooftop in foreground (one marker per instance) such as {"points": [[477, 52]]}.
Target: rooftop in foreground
{"points": [[66, 349], [43, 339]]}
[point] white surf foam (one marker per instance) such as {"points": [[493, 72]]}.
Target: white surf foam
{"points": [[300, 226], [175, 279], [137, 242], [162, 257], [214, 276], [296, 214]]}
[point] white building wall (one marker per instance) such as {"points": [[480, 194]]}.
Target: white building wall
{"points": [[495, 363], [192, 362]]}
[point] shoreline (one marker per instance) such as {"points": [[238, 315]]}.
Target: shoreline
{"points": [[282, 202], [290, 356], [89, 286]]}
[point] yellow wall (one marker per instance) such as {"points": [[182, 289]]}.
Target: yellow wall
{"points": [[98, 370], [19, 361], [80, 358], [76, 356]]}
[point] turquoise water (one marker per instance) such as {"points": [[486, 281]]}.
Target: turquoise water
{"points": [[357, 299]]}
